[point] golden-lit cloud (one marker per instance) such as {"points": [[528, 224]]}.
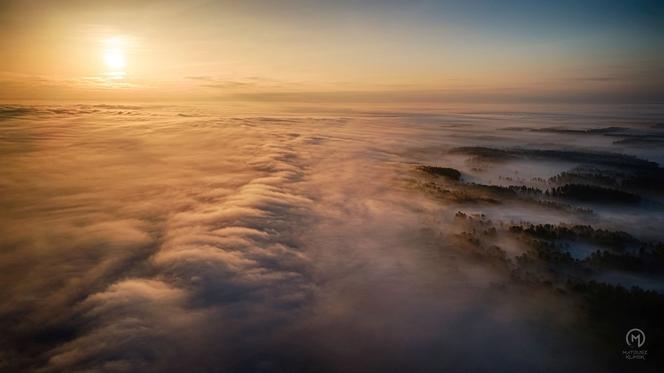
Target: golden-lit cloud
{"points": [[328, 186]]}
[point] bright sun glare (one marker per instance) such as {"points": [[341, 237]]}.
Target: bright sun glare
{"points": [[114, 59], [114, 56]]}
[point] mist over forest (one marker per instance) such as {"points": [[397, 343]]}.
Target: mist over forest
{"points": [[190, 238]]}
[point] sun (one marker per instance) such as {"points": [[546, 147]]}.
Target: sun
{"points": [[114, 59], [114, 56]]}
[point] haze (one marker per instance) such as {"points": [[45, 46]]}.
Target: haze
{"points": [[339, 50], [331, 186]]}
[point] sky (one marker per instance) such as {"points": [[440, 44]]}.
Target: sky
{"points": [[348, 50]]}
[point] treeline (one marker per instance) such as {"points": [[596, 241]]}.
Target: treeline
{"points": [[617, 240], [593, 193], [447, 172], [618, 160]]}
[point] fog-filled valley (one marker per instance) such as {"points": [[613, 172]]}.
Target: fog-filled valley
{"points": [[211, 238]]}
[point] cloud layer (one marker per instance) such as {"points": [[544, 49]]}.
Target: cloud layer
{"points": [[183, 239]]}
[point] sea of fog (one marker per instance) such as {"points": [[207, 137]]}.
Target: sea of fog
{"points": [[212, 239]]}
